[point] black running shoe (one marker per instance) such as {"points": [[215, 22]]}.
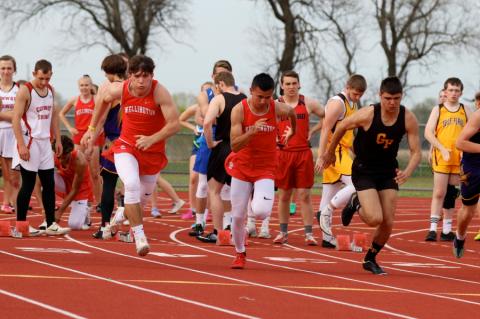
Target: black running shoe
{"points": [[98, 209], [447, 237], [98, 234], [348, 211], [431, 236], [373, 267], [196, 231], [458, 247], [209, 238], [327, 244]]}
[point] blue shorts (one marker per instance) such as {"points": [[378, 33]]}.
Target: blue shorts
{"points": [[469, 183], [196, 144], [203, 154]]}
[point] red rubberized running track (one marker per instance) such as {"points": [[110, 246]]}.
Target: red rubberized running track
{"points": [[80, 277]]}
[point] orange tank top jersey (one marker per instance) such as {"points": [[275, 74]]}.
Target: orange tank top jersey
{"points": [[68, 174], [141, 116], [299, 141], [258, 159], [449, 126], [83, 113]]}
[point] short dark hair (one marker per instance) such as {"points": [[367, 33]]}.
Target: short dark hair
{"points": [[114, 64], [222, 64], [263, 81], [67, 144], [225, 77], [357, 82], [140, 63], [391, 85], [453, 82], [477, 96], [291, 74], [43, 65], [9, 58]]}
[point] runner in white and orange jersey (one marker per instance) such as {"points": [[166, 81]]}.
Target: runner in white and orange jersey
{"points": [[149, 118], [83, 110], [253, 161], [34, 120]]}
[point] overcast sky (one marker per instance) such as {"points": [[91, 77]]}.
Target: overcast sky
{"points": [[220, 29]]}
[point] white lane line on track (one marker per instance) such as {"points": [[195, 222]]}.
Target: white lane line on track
{"points": [[251, 283], [233, 313], [172, 236], [423, 256], [386, 267], [41, 305]]}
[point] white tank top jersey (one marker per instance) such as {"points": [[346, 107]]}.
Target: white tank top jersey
{"points": [[8, 101], [38, 116]]}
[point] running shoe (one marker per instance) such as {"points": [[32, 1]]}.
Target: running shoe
{"points": [[111, 229], [251, 228], [447, 237], [293, 208], [310, 240], [188, 215], [176, 206], [282, 238], [239, 261], [431, 236], [197, 231], [348, 211], [143, 248], [43, 225], [373, 267], [458, 249], [98, 233], [7, 209], [209, 238], [264, 233], [156, 213], [329, 243], [325, 224], [477, 236], [33, 232], [55, 230]]}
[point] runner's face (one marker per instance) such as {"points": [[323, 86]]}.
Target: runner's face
{"points": [[477, 104], [6, 70], [442, 97], [453, 93], [260, 99], [354, 95], [141, 81], [390, 102], [85, 86], [42, 79], [290, 86]]}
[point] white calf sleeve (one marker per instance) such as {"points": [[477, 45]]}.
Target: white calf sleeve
{"points": [[147, 185], [240, 193], [78, 214], [127, 169], [225, 193], [342, 197], [202, 188], [329, 190], [263, 198]]}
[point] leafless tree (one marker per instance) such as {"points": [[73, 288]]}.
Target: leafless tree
{"points": [[127, 25], [415, 31]]}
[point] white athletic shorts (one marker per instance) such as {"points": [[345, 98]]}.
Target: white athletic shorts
{"points": [[41, 156], [7, 142]]}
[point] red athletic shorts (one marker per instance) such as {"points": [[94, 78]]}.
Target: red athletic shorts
{"points": [[149, 163], [294, 170], [98, 142], [248, 172]]}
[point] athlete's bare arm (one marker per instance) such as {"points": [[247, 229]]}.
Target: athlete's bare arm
{"points": [[411, 127], [81, 164], [106, 95], [202, 101], [215, 108], [63, 112], [21, 101], [362, 118], [314, 107], [430, 133], [334, 110], [282, 109], [198, 117], [188, 113], [239, 139], [55, 129], [170, 113], [463, 140]]}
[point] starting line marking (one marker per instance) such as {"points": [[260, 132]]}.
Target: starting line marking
{"points": [[300, 260], [177, 255], [421, 265], [52, 250]]}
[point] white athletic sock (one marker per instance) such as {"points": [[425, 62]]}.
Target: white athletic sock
{"points": [[447, 226], [265, 224], [205, 216], [199, 219], [227, 219], [433, 223], [138, 232]]}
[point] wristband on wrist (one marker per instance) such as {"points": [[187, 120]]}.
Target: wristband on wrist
{"points": [[91, 128]]}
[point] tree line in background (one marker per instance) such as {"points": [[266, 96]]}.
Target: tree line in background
{"points": [[321, 37]]}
